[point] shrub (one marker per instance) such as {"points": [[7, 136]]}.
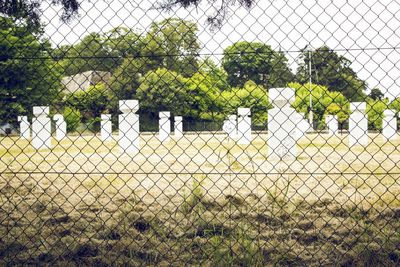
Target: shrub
{"points": [[73, 118]]}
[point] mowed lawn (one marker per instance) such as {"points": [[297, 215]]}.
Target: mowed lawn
{"points": [[200, 199], [325, 165]]}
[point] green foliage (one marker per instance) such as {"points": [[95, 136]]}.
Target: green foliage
{"points": [[323, 102], [30, 11], [23, 82], [72, 117], [126, 78], [332, 71], [193, 200], [245, 61], [251, 96], [175, 38], [91, 53], [376, 94], [93, 102], [123, 42], [375, 109], [164, 90], [212, 75], [216, 19], [395, 105]]}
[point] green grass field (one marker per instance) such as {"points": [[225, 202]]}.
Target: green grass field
{"points": [[201, 200]]}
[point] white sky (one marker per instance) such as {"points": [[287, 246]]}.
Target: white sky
{"points": [[284, 24]]}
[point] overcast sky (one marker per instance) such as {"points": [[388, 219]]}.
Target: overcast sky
{"points": [[351, 26]]}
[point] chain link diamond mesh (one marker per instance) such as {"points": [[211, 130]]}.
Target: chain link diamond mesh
{"points": [[219, 133]]}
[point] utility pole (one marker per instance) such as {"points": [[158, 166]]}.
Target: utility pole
{"points": [[310, 114]]}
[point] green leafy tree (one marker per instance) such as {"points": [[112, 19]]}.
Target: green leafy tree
{"points": [[221, 8], [72, 118], [323, 102], [126, 78], [92, 102], [333, 71], [251, 96], [395, 105], [204, 89], [30, 12], [213, 75], [245, 61], [376, 94], [375, 109], [172, 44], [163, 89], [28, 76], [123, 42], [91, 53]]}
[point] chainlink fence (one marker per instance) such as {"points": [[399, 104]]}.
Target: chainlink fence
{"points": [[232, 133]]}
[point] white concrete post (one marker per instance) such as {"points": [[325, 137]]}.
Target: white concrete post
{"points": [[358, 124], [24, 127], [106, 127], [230, 127], [128, 138], [305, 124], [61, 127], [244, 126], [41, 128], [389, 124], [282, 124], [178, 127], [164, 126], [302, 125], [331, 122]]}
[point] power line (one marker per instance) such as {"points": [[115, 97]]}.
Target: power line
{"points": [[201, 54]]}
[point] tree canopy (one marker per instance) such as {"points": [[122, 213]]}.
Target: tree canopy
{"points": [[30, 10], [331, 70], [221, 9], [258, 62], [28, 77]]}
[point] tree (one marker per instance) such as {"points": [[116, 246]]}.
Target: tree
{"points": [[221, 12], [331, 70], [375, 109], [91, 53], [172, 44], [126, 78], [123, 42], [376, 94], [395, 105], [30, 11], [90, 103], [163, 89], [323, 102], [213, 75], [251, 96], [72, 118], [28, 76], [245, 61]]}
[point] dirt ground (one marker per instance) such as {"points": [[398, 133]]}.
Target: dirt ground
{"points": [[200, 200]]}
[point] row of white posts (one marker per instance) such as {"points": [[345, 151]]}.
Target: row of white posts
{"points": [[285, 125], [358, 124], [128, 135]]}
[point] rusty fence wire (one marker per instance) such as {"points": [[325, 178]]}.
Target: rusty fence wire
{"points": [[215, 133]]}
